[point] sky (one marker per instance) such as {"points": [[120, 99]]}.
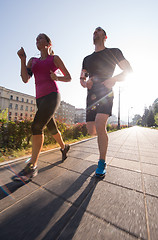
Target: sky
{"points": [[131, 26]]}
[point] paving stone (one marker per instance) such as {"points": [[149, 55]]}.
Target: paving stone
{"points": [[72, 186], [151, 184], [119, 176], [127, 156], [121, 207], [125, 164], [150, 169], [86, 226], [83, 166], [152, 207], [149, 160]]}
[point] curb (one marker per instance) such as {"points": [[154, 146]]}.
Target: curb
{"points": [[54, 149]]}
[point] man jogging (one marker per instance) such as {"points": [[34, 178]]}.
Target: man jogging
{"points": [[97, 77]]}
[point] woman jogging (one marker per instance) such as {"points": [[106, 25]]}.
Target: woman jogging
{"points": [[47, 99]]}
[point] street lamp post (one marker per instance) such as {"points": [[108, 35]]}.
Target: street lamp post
{"points": [[128, 114], [118, 126]]}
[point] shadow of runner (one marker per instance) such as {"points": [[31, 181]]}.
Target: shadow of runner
{"points": [[9, 188], [36, 216], [12, 186], [55, 231]]}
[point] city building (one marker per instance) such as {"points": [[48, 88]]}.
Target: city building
{"points": [[20, 106], [80, 115], [66, 113]]}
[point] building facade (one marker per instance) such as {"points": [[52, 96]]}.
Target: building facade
{"points": [[66, 113], [20, 106], [80, 115]]}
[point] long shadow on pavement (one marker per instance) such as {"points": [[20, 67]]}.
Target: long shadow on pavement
{"points": [[44, 216]]}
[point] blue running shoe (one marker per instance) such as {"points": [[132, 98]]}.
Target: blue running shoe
{"points": [[101, 171]]}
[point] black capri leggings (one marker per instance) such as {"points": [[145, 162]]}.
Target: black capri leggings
{"points": [[47, 106]]}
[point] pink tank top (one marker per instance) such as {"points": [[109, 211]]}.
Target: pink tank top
{"points": [[41, 70]]}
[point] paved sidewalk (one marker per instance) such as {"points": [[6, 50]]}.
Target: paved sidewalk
{"points": [[66, 201]]}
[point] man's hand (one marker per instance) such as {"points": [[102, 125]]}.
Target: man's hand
{"points": [[21, 53]]}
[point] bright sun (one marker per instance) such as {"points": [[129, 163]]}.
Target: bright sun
{"points": [[138, 91]]}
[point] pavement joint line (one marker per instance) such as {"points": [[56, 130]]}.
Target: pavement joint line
{"points": [[86, 175], [71, 170], [96, 216], [51, 192], [144, 191], [118, 149], [77, 208], [74, 171], [131, 170], [151, 143], [28, 195], [114, 225]]}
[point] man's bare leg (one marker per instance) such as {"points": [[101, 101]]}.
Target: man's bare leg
{"points": [[91, 128], [101, 122]]}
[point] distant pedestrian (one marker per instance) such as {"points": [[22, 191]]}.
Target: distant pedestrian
{"points": [[47, 99], [99, 68]]}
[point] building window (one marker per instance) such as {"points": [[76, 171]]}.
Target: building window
{"points": [[17, 98], [16, 106], [27, 100], [21, 107], [11, 97], [22, 99], [31, 109], [21, 114], [16, 114], [26, 108], [10, 105], [31, 101]]}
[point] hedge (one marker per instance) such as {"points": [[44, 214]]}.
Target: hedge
{"points": [[17, 135]]}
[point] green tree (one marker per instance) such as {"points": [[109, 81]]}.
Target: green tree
{"points": [[150, 119], [136, 118], [4, 114], [155, 108], [156, 119], [145, 116]]}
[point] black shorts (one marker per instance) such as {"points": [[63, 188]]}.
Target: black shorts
{"points": [[98, 105], [47, 106]]}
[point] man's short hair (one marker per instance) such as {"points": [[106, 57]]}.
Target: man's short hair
{"points": [[101, 29]]}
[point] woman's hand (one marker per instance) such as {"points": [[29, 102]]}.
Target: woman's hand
{"points": [[21, 53], [53, 76]]}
